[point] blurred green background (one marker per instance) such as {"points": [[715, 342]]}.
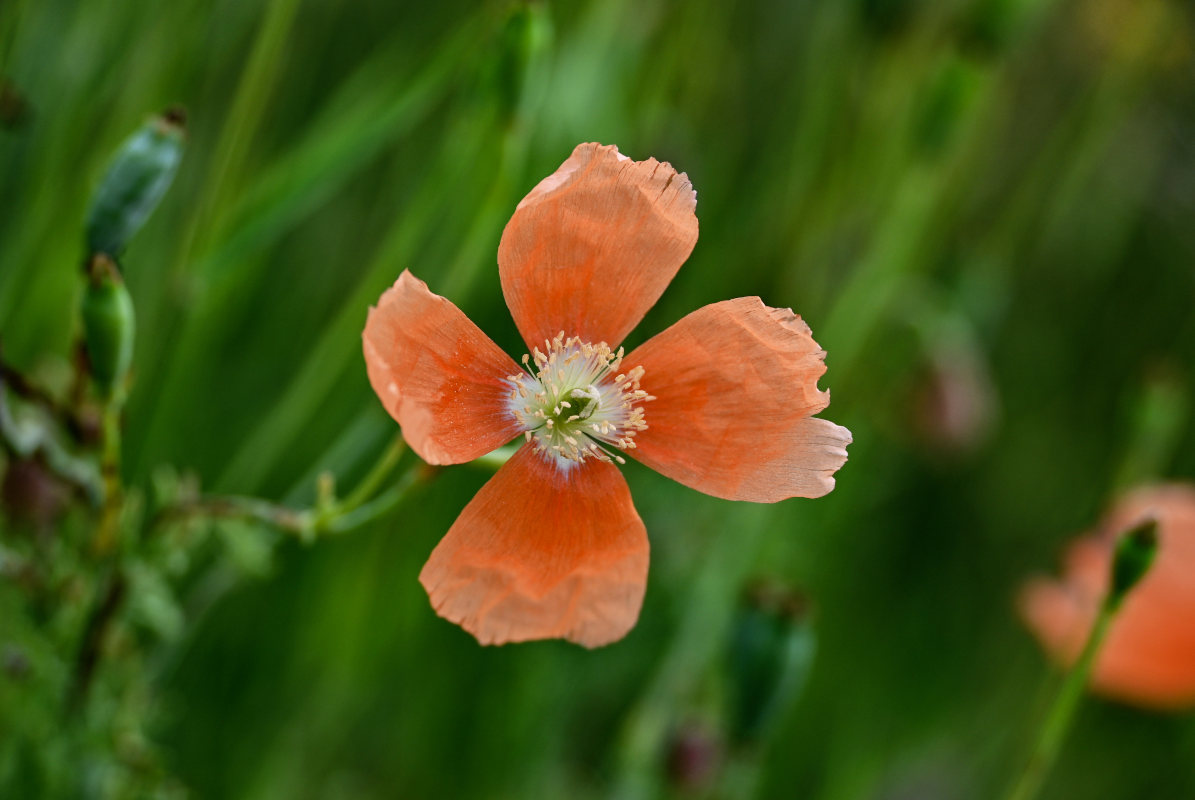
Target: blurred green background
{"points": [[985, 209]]}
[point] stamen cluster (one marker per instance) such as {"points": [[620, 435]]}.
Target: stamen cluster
{"points": [[574, 404]]}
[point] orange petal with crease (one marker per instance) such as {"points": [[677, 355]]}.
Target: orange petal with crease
{"points": [[541, 553], [439, 376], [736, 390], [593, 246], [1148, 657]]}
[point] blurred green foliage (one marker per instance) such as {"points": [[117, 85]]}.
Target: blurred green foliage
{"points": [[983, 208]]}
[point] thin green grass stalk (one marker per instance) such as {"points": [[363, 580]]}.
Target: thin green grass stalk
{"points": [[339, 146], [335, 349], [44, 156], [240, 127], [920, 219], [1160, 412], [41, 253], [897, 252], [498, 206], [333, 352], [820, 95], [1057, 178], [329, 355], [217, 196]]}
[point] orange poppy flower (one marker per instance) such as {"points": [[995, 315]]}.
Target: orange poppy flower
{"points": [[723, 402], [1148, 657]]}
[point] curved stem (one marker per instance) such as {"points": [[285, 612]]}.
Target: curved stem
{"points": [[379, 506], [374, 478], [359, 507], [1062, 712]]}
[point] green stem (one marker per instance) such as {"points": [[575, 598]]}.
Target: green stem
{"points": [[235, 507], [361, 505], [1061, 715], [349, 520], [374, 478], [248, 109], [108, 528], [217, 196]]}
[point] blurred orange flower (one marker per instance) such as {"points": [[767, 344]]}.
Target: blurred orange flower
{"points": [[1148, 657], [552, 545]]}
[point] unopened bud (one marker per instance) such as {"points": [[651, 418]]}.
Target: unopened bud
{"points": [[108, 325], [771, 652], [1134, 554], [135, 181]]}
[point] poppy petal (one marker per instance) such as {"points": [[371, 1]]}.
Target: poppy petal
{"points": [[593, 246], [542, 553], [441, 378], [736, 387]]}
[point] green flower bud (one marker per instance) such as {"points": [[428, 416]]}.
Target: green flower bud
{"points": [[108, 325], [771, 652], [1135, 551], [139, 175]]}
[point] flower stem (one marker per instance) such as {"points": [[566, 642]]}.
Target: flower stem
{"points": [[1132, 557], [108, 527], [109, 600], [351, 519], [1062, 712], [374, 478], [326, 517]]}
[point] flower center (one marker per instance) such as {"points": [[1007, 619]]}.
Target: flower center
{"points": [[574, 404]]}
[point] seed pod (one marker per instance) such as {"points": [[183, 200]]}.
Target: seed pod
{"points": [[108, 325], [139, 175]]}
